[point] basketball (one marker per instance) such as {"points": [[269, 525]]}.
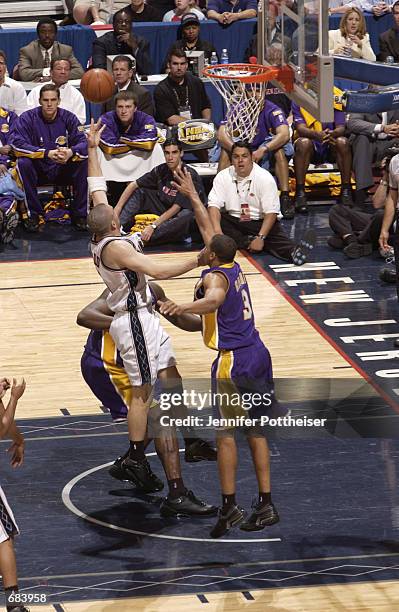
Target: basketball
{"points": [[97, 85]]}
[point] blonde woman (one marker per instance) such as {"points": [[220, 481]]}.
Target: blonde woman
{"points": [[351, 39]]}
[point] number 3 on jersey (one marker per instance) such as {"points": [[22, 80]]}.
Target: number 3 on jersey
{"points": [[246, 308]]}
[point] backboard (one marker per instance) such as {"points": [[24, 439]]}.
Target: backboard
{"points": [[296, 34]]}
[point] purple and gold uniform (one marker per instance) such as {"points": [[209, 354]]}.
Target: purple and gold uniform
{"points": [[32, 139], [270, 118], [102, 368], [141, 134], [7, 121], [243, 363], [300, 115]]}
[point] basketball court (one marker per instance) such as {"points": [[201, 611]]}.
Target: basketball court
{"points": [[91, 543]]}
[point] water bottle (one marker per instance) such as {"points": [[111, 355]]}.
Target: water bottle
{"points": [[224, 58], [214, 58], [348, 48]]}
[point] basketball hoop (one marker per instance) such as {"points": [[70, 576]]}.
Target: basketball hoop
{"points": [[243, 89]]}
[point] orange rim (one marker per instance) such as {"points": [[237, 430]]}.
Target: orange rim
{"points": [[259, 73]]}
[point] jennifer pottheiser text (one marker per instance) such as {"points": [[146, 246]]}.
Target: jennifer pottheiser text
{"points": [[241, 421]]}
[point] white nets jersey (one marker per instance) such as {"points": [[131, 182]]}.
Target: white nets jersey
{"points": [[128, 290]]}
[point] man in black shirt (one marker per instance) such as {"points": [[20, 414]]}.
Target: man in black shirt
{"points": [[181, 96], [190, 40], [140, 11], [122, 41], [154, 193]]}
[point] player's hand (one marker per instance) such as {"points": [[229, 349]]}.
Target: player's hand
{"points": [[64, 155], [383, 240], [169, 308], [94, 133], [3, 170], [203, 257], [184, 182], [392, 129], [147, 233], [54, 155], [259, 154], [256, 245], [5, 150], [17, 451], [5, 383], [18, 388]]}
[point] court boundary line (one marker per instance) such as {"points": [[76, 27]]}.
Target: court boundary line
{"points": [[274, 282], [211, 566]]}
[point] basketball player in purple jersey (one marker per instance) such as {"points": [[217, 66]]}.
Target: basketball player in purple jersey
{"points": [[222, 298]]}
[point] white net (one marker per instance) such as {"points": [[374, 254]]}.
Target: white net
{"points": [[244, 100]]}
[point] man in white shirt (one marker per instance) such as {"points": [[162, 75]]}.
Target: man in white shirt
{"points": [[244, 204], [71, 99], [12, 93], [341, 6]]}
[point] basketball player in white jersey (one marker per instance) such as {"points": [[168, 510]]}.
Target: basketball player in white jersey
{"points": [[144, 346]]}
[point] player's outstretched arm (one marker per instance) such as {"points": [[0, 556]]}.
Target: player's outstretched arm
{"points": [[120, 254], [96, 315], [96, 182], [186, 322], [184, 183], [7, 415], [215, 293]]}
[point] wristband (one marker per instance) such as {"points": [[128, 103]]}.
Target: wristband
{"points": [[261, 236], [96, 183]]}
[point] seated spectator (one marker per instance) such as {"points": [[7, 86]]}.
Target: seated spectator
{"points": [[271, 147], [182, 8], [35, 58], [181, 96], [190, 40], [244, 205], [12, 93], [70, 98], [154, 193], [124, 77], [141, 11], [341, 6], [51, 147], [370, 137], [227, 11], [162, 6], [320, 143], [351, 39], [86, 12], [122, 41], [129, 143], [8, 215], [389, 40]]}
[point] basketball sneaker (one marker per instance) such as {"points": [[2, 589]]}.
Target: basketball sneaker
{"points": [[140, 474], [233, 517], [19, 609], [200, 450], [186, 505], [10, 222], [263, 515], [304, 248]]}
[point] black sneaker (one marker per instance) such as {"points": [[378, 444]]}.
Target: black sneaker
{"points": [[186, 505], [141, 475], [10, 222], [200, 450], [388, 275], [335, 242], [261, 517], [234, 517], [19, 609], [287, 207], [80, 223], [31, 224], [304, 247], [346, 198], [301, 204], [356, 249], [116, 470]]}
